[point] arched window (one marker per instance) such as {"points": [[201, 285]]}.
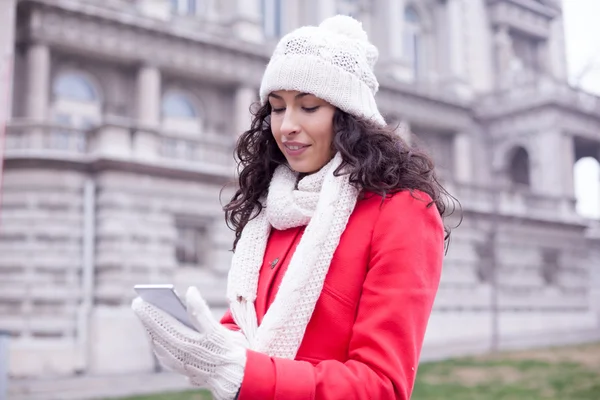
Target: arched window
{"points": [[180, 113], [75, 100], [74, 86], [175, 105], [587, 187], [519, 167], [271, 18], [411, 43]]}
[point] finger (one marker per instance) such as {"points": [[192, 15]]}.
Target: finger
{"points": [[198, 311], [156, 321], [198, 381], [165, 358]]}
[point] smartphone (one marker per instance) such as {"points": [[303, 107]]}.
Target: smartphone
{"points": [[165, 298]]}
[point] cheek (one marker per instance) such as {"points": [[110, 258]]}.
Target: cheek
{"points": [[276, 129], [324, 133]]}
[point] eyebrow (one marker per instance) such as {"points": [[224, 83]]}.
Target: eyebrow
{"points": [[298, 96]]}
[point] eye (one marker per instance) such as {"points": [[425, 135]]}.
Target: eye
{"points": [[310, 109], [277, 110]]}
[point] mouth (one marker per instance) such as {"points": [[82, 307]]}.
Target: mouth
{"points": [[295, 149]]}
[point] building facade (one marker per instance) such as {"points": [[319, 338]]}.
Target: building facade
{"points": [[122, 119]]}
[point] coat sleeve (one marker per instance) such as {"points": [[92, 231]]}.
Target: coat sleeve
{"points": [[228, 322], [397, 297]]}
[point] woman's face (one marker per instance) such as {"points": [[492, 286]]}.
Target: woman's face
{"points": [[302, 126]]}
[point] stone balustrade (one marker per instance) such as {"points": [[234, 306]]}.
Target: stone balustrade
{"points": [[24, 138], [539, 91], [214, 155], [210, 153], [514, 202]]}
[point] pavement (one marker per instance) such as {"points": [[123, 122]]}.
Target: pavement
{"points": [[96, 387]]}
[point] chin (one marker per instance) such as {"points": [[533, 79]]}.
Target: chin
{"points": [[300, 170], [303, 169]]}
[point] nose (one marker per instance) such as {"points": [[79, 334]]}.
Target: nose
{"points": [[289, 125]]}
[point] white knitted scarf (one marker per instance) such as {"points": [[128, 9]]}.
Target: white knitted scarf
{"points": [[323, 203]]}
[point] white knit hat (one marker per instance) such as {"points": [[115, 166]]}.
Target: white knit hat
{"points": [[333, 61]]}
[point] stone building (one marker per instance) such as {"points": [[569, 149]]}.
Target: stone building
{"points": [[122, 117]]}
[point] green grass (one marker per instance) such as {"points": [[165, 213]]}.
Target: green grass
{"points": [[565, 373], [568, 373], [190, 395]]}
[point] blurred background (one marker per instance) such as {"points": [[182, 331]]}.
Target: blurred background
{"points": [[118, 119]]}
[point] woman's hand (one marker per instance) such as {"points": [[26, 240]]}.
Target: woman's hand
{"points": [[214, 357]]}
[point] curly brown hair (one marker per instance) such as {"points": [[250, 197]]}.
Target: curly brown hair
{"points": [[377, 158]]}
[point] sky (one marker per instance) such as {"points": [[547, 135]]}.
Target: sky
{"points": [[582, 34]]}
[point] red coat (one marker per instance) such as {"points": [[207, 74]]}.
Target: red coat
{"points": [[365, 336]]}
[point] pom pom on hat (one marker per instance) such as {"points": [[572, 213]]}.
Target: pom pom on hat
{"points": [[345, 25]]}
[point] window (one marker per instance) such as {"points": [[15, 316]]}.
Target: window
{"points": [[519, 167], [178, 106], [411, 42], [550, 266], [76, 103], [271, 11], [74, 86], [348, 7], [180, 113], [184, 7], [193, 243]]}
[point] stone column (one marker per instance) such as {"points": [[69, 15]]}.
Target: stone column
{"points": [[145, 142], [38, 82], [462, 157], [148, 96], [37, 91], [7, 44], [552, 163], [457, 35], [455, 53], [554, 50], [244, 97], [395, 25], [387, 33], [568, 164], [247, 23]]}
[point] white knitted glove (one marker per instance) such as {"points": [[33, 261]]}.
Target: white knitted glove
{"points": [[214, 357]]}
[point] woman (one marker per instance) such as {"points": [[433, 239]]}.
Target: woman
{"points": [[339, 240]]}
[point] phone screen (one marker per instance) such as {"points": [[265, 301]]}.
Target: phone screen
{"points": [[165, 298]]}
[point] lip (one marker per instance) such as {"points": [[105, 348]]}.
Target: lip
{"points": [[300, 148]]}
